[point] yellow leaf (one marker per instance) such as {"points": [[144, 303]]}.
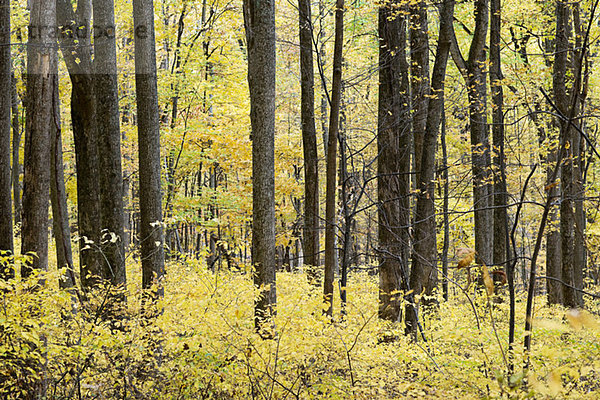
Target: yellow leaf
{"points": [[487, 280]]}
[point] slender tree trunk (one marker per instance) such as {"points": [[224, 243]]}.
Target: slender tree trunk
{"points": [[58, 197], [419, 73], [6, 220], [445, 209], [578, 188], [393, 162], [474, 73], [424, 269], [16, 145], [259, 19], [151, 229], [41, 81], [109, 141], [500, 193], [309, 140], [331, 167]]}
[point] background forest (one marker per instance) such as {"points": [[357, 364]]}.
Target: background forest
{"points": [[313, 199]]}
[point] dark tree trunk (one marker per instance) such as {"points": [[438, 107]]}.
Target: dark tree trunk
{"points": [[500, 233], [6, 220], [58, 197], [331, 166], [309, 140], [151, 229], [567, 218], [419, 73], [77, 56], [424, 269], [109, 142], [259, 19], [42, 78], [393, 162]]}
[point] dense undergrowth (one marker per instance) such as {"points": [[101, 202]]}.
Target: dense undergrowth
{"points": [[203, 346]]}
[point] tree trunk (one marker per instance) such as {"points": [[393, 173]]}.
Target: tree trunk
{"points": [[77, 56], [331, 166], [419, 73], [424, 268], [16, 144], [500, 233], [473, 71], [109, 142], [259, 20], [151, 229], [393, 162], [42, 78], [58, 197], [309, 140], [6, 220], [567, 221]]}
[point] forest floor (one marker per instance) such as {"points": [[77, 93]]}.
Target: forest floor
{"points": [[203, 345]]}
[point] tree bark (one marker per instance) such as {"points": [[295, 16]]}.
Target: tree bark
{"points": [[151, 229], [331, 166], [500, 233], [393, 162], [109, 142], [42, 78], [309, 140], [424, 269], [76, 50], [6, 219], [419, 73], [259, 20], [58, 198]]}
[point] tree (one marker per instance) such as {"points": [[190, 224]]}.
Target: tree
{"points": [[42, 78], [259, 22], [424, 269], [473, 70], [58, 199], [76, 47], [500, 233], [109, 141], [331, 168], [393, 161], [6, 224], [309, 138], [151, 229]]}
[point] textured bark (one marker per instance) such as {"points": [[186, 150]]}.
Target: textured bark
{"points": [[309, 139], [259, 19], [393, 162], [567, 218], [77, 56], [424, 267], [109, 142], [474, 73], [41, 81], [58, 197], [151, 230], [331, 166], [500, 233], [419, 82], [6, 219]]}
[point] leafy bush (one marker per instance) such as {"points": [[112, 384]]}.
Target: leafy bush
{"points": [[203, 345]]}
